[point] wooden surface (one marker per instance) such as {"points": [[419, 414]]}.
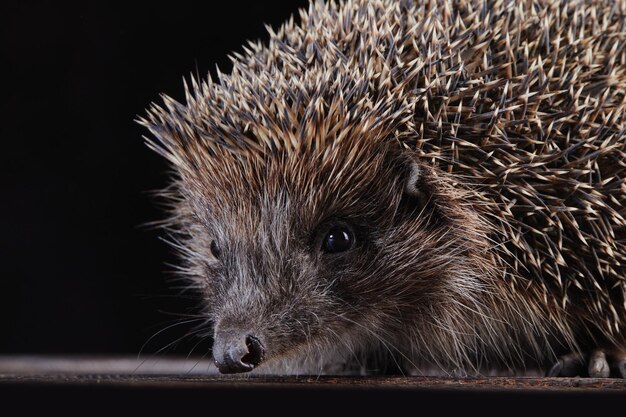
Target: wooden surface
{"points": [[155, 372], [182, 373], [325, 382], [160, 382]]}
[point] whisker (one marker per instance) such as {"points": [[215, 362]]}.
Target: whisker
{"points": [[177, 323]]}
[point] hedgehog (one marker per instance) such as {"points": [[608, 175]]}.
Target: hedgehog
{"points": [[409, 187]]}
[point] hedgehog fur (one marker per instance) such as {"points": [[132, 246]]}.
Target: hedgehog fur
{"points": [[515, 115]]}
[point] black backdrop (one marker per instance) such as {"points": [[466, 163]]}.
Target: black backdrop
{"points": [[77, 272]]}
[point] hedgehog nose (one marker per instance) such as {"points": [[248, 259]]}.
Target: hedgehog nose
{"points": [[235, 352]]}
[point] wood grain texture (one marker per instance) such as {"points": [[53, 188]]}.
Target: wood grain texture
{"points": [[179, 387], [186, 373]]}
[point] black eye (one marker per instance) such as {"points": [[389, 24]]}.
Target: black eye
{"points": [[338, 239], [215, 249]]}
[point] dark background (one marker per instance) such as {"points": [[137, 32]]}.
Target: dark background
{"points": [[78, 273]]}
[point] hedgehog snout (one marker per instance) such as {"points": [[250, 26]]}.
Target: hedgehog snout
{"points": [[236, 351]]}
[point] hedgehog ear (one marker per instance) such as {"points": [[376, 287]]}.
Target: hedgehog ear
{"points": [[415, 191], [413, 179]]}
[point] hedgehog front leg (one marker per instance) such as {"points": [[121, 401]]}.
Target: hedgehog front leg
{"points": [[598, 364], [567, 365]]}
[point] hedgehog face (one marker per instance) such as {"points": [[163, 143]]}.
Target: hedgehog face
{"points": [[307, 256]]}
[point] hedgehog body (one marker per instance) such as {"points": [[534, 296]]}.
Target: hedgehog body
{"points": [[415, 183]]}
